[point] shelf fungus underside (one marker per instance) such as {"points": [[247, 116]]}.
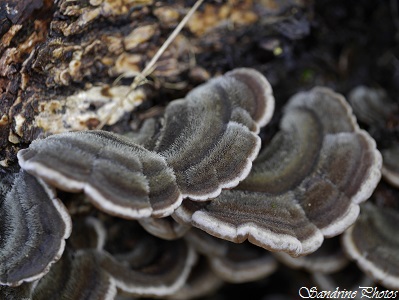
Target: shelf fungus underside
{"points": [[208, 142], [305, 185]]}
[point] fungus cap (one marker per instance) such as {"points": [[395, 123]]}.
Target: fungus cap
{"points": [[208, 142], [373, 243], [305, 185], [33, 227]]}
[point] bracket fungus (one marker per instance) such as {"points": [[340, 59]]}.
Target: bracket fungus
{"points": [[88, 233], [22, 291], [164, 228], [243, 263], [234, 263], [201, 282], [329, 258], [209, 139], [33, 227], [148, 266], [305, 185], [373, 243], [208, 142], [161, 273], [371, 106], [390, 168], [199, 166], [377, 110], [78, 275], [152, 267], [118, 176]]}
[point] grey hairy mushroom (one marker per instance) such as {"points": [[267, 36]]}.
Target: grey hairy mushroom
{"points": [[373, 243], [208, 142], [209, 138], [376, 109], [118, 176], [234, 263], [143, 265], [78, 275], [329, 258], [390, 168], [305, 185], [88, 233], [164, 228], [149, 267], [201, 282], [33, 227], [165, 273], [243, 263], [371, 106], [206, 244]]}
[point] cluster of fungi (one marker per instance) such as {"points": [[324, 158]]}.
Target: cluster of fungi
{"points": [[172, 197]]}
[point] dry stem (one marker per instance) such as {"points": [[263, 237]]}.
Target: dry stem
{"points": [[141, 77]]}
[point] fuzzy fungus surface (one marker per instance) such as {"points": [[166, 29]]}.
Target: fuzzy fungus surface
{"points": [[305, 185], [208, 142], [33, 227]]}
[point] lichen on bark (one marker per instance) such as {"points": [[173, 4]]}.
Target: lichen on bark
{"points": [[60, 60]]}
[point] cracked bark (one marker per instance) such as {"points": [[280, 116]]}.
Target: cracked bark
{"points": [[59, 59]]}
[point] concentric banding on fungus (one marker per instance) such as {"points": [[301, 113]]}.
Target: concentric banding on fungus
{"points": [[88, 233], [118, 176], [373, 242], [206, 244], [371, 106], [201, 282], [148, 266], [78, 275], [163, 271], [209, 138], [329, 258], [261, 104], [304, 186], [390, 168], [207, 143], [141, 264], [243, 263], [96, 274], [33, 229], [235, 263], [164, 228]]}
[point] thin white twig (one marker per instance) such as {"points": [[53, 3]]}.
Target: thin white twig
{"points": [[149, 68]]}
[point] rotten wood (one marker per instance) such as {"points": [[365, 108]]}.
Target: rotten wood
{"points": [[61, 61]]}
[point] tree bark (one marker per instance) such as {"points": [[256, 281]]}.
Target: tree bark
{"points": [[59, 59]]}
